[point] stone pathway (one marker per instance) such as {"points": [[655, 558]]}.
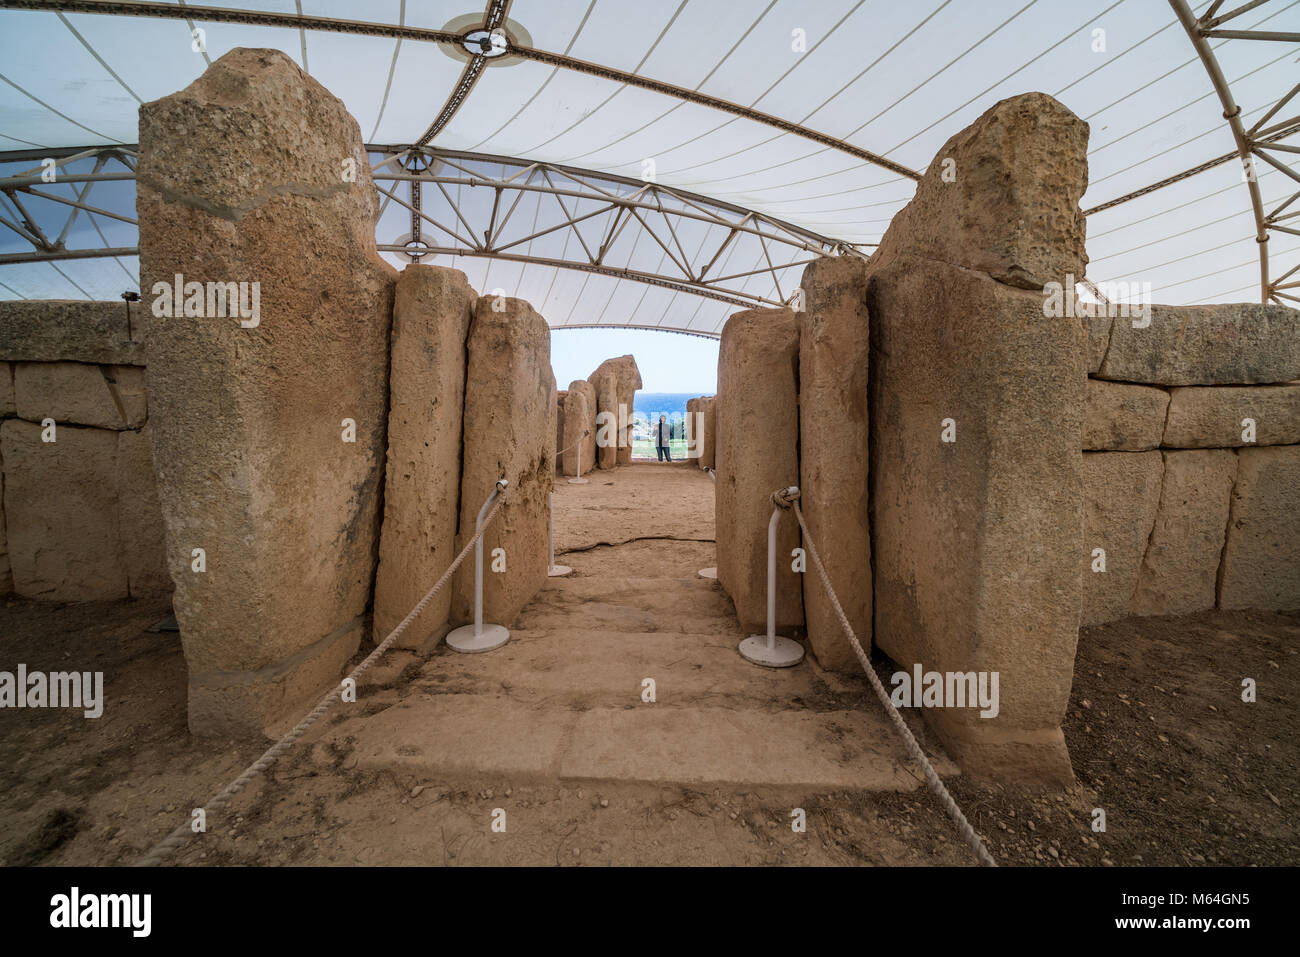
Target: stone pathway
{"points": [[565, 700]]}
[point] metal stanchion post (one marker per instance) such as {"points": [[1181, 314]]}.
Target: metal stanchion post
{"points": [[552, 570], [772, 650], [579, 480], [478, 637]]}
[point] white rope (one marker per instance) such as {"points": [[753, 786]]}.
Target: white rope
{"points": [[183, 831], [913, 748]]}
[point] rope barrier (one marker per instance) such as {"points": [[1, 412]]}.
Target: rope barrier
{"points": [[913, 748], [575, 444], [183, 831]]}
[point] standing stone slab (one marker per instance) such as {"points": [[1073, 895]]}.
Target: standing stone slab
{"points": [[241, 179], [1261, 560], [758, 448], [607, 431], [60, 510], [1213, 417], [1123, 418], [1232, 344], [560, 444], [426, 396], [139, 517], [1121, 492], [627, 379], [6, 569], [833, 357], [692, 432], [579, 417], [977, 542], [1181, 565], [508, 434], [708, 431]]}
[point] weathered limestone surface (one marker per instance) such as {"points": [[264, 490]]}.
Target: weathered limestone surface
{"points": [[8, 405], [1098, 341], [708, 431], [1211, 417], [758, 448], [1122, 417], [60, 509], [579, 417], [105, 397], [1261, 560], [627, 379], [426, 395], [560, 444], [6, 570], [1011, 209], [1181, 565], [74, 330], [607, 433], [1231, 344], [508, 434], [139, 517], [833, 358], [1121, 492], [977, 541], [240, 180]]}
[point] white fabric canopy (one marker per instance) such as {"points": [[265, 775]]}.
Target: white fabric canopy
{"points": [[896, 79]]}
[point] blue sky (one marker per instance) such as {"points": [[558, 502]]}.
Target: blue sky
{"points": [[669, 361]]}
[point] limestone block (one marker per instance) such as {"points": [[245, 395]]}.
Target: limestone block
{"points": [[1230, 344], [758, 443], [74, 330], [7, 404], [6, 570], [579, 417], [60, 509], [105, 397], [560, 444], [269, 429], [627, 379], [426, 394], [833, 357], [1098, 341], [139, 517], [977, 540], [692, 433], [1213, 417], [1261, 560], [708, 431], [1122, 417], [1181, 566], [508, 434], [607, 431], [1002, 197], [1121, 492]]}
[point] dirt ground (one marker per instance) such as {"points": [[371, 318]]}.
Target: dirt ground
{"points": [[1187, 773]]}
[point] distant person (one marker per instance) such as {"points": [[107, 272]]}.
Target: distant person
{"points": [[663, 433]]}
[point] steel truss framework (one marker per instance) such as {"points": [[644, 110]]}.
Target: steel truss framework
{"points": [[1261, 141], [596, 209], [583, 213]]}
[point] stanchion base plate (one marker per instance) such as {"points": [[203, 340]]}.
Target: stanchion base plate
{"points": [[577, 481], [464, 640], [708, 573], [558, 571], [785, 652]]}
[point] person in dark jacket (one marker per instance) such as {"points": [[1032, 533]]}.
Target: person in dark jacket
{"points": [[663, 432]]}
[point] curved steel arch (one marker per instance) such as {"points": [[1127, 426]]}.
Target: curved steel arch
{"points": [[594, 212], [1259, 140]]}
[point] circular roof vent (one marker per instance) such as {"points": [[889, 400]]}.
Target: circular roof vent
{"points": [[476, 40]]}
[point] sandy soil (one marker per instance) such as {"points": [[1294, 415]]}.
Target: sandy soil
{"points": [[1186, 772]]}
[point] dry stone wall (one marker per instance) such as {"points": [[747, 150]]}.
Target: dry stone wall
{"points": [[1191, 429], [79, 512]]}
